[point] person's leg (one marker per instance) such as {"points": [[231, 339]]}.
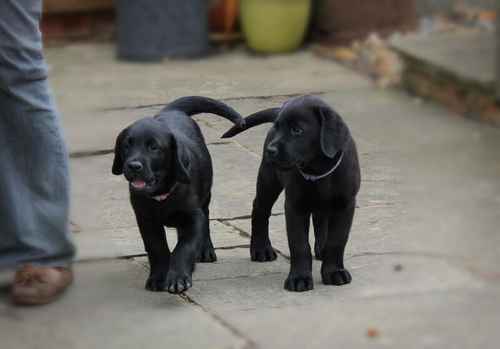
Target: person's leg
{"points": [[34, 183]]}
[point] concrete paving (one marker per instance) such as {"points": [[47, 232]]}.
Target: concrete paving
{"points": [[108, 308], [424, 246]]}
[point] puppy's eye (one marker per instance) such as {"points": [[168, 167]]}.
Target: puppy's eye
{"points": [[153, 147], [296, 131], [128, 143]]}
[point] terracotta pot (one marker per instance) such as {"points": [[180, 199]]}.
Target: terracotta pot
{"points": [[223, 15], [74, 6], [340, 21]]}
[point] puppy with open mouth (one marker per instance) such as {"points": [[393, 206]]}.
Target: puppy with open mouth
{"points": [[309, 153], [169, 169]]}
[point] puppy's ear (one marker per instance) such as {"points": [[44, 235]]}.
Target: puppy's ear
{"points": [[334, 132], [181, 162], [117, 168]]}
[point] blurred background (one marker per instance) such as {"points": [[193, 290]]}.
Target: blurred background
{"points": [[364, 35], [418, 83]]}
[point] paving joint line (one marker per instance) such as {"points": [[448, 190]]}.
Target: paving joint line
{"points": [[249, 343], [234, 247], [243, 217], [247, 235], [248, 150], [138, 255], [226, 99]]}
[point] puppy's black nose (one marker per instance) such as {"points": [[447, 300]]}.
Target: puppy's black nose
{"points": [[134, 166], [272, 151]]}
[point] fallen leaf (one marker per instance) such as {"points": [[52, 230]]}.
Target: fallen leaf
{"points": [[372, 332], [345, 55]]}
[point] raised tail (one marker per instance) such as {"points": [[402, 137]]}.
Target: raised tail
{"points": [[193, 105], [259, 118]]}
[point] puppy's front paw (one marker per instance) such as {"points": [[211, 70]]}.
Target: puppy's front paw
{"points": [[299, 282], [156, 282], [207, 255], [178, 282], [335, 276], [262, 254]]}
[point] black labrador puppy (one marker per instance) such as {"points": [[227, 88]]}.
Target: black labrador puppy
{"points": [[308, 152], [169, 170]]}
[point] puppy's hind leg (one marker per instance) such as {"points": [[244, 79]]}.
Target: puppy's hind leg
{"points": [[206, 254], [320, 223], [268, 190], [333, 271]]}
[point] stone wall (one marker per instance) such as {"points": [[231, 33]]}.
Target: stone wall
{"points": [[430, 6]]}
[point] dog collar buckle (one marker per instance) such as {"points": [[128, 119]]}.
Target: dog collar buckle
{"points": [[314, 178]]}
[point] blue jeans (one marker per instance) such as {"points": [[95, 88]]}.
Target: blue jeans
{"points": [[34, 177]]}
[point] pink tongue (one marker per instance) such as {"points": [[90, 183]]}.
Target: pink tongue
{"points": [[138, 184]]}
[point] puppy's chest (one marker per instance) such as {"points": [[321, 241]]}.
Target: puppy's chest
{"points": [[171, 217], [312, 195]]}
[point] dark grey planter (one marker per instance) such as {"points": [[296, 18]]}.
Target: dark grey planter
{"points": [[149, 30]]}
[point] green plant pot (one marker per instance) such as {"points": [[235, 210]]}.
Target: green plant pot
{"points": [[274, 26]]}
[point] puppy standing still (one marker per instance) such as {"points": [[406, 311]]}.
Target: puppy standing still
{"points": [[309, 153], [169, 169]]}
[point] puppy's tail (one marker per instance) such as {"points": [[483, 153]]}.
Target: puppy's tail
{"points": [[259, 118], [193, 105]]}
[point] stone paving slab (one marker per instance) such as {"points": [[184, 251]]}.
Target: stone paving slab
{"points": [[79, 87], [110, 243], [122, 242], [235, 173], [109, 308], [462, 319], [100, 199], [406, 300]]}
